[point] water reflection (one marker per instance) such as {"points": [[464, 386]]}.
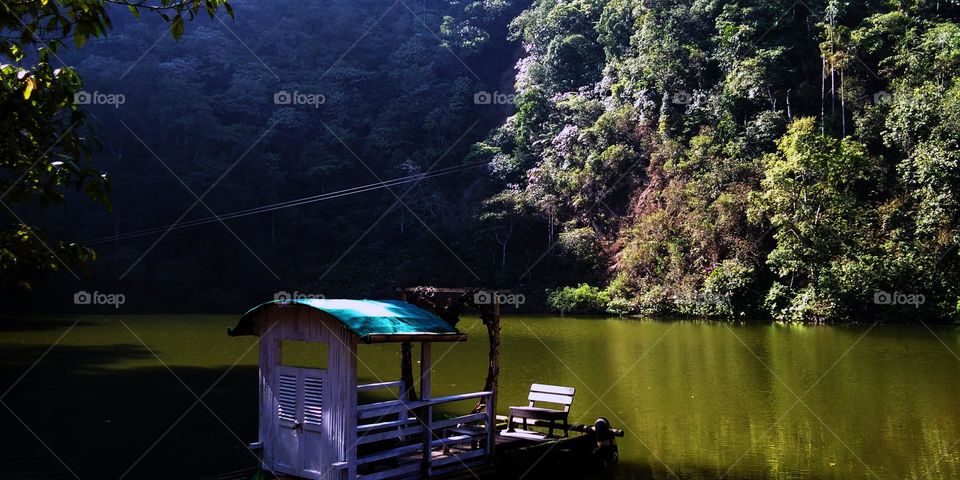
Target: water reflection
{"points": [[704, 400], [698, 399]]}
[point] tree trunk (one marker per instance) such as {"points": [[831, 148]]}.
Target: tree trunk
{"points": [[823, 83], [789, 114], [843, 115], [492, 322], [503, 244]]}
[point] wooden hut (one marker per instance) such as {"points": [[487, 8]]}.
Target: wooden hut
{"points": [[311, 425]]}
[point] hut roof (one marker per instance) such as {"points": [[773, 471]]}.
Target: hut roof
{"points": [[373, 321]]}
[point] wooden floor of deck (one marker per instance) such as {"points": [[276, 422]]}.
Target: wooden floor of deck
{"points": [[479, 467], [513, 446], [504, 440]]}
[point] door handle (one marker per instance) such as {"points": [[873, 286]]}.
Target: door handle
{"points": [[297, 426]]}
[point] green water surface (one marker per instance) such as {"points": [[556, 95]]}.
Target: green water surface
{"points": [[117, 395]]}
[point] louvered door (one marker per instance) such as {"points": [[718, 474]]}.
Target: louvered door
{"points": [[313, 445], [287, 398], [312, 400], [286, 393], [299, 398]]}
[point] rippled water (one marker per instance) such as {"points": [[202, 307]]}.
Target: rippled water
{"points": [[698, 400]]}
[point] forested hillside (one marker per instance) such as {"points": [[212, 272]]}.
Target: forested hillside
{"points": [[392, 100], [709, 158], [734, 158], [388, 92]]}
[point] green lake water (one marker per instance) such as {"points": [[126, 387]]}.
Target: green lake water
{"points": [[697, 399]]}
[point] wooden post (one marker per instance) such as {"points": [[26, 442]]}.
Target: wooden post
{"points": [[406, 362], [349, 365], [403, 414], [425, 367], [406, 372], [427, 419], [494, 339]]}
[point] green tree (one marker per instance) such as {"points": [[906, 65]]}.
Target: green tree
{"points": [[809, 196], [45, 143]]}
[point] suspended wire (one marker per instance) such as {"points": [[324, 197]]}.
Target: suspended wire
{"points": [[289, 203]]}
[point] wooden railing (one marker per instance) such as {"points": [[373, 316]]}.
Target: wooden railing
{"points": [[366, 387], [417, 433]]}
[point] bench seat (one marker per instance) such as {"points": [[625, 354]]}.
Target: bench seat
{"points": [[544, 394]]}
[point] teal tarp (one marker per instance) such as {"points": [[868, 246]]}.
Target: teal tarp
{"points": [[362, 317]]}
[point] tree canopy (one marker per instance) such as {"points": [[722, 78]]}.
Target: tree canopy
{"points": [[745, 158], [798, 161], [45, 147]]}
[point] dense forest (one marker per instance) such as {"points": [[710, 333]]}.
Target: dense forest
{"points": [[797, 159], [792, 160]]}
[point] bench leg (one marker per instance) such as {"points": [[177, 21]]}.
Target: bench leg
{"points": [[566, 428], [510, 424], [550, 430]]}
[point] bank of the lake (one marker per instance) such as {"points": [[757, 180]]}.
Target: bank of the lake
{"points": [[698, 399]]}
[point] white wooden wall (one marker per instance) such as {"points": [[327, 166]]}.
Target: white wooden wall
{"points": [[339, 424]]}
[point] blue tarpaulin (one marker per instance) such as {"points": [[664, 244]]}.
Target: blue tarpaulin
{"points": [[365, 318]]}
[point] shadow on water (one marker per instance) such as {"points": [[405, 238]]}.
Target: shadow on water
{"points": [[100, 420], [107, 422], [27, 324]]}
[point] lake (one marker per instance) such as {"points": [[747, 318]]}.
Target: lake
{"points": [[697, 399]]}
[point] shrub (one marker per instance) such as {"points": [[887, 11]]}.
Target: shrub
{"points": [[580, 299]]}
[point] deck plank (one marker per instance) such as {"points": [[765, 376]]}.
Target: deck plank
{"points": [[520, 434]]}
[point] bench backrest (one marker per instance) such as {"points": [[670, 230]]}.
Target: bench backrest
{"points": [[551, 394]]}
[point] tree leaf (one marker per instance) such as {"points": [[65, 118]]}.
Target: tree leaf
{"points": [[79, 39], [28, 89], [177, 27]]}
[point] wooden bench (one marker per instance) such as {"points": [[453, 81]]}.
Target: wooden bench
{"points": [[545, 394]]}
